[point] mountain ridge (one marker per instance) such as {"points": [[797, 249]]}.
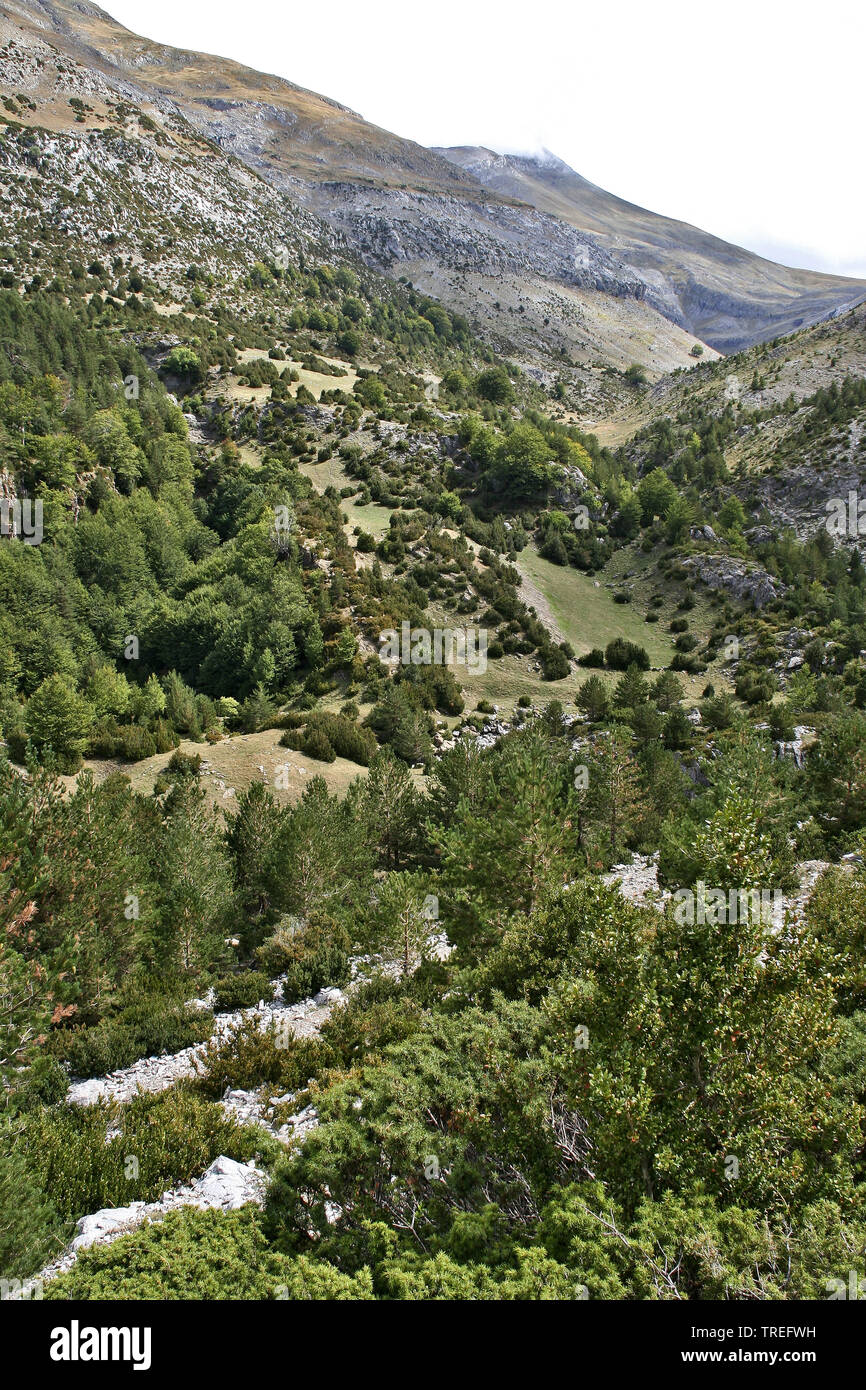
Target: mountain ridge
{"points": [[528, 242], [687, 258]]}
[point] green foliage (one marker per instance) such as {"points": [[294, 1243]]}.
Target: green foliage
{"points": [[57, 721], [143, 1027], [173, 1138], [620, 654], [183, 362], [242, 990]]}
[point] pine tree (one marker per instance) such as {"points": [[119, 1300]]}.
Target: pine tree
{"points": [[195, 884], [391, 810], [58, 719]]}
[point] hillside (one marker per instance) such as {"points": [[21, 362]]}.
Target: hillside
{"points": [[432, 830], [525, 263], [723, 294], [794, 440]]}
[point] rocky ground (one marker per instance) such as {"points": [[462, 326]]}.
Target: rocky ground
{"points": [[157, 1073], [638, 882], [227, 1183]]}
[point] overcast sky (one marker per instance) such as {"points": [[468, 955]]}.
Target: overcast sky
{"points": [[744, 117]]}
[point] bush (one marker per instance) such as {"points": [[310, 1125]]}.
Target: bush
{"points": [[317, 745], [316, 956], [691, 664], [209, 1255], [148, 1027], [344, 736], [183, 362], [253, 1057], [242, 990], [754, 686], [135, 743], [719, 711], [554, 664], [593, 658], [620, 654], [173, 1137], [31, 1231], [494, 385]]}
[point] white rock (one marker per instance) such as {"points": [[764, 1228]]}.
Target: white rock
{"points": [[107, 1222], [229, 1184], [329, 995]]}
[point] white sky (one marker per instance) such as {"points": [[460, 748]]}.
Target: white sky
{"points": [[745, 117]]}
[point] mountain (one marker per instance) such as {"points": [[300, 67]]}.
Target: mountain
{"points": [[725, 295], [370, 733], [555, 271], [539, 290], [791, 415], [283, 130]]}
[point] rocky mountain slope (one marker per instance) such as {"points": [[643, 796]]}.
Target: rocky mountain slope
{"points": [[587, 281], [724, 294], [793, 415]]}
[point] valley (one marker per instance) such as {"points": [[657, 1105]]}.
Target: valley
{"points": [[327, 976]]}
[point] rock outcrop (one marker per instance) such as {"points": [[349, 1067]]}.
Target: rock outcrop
{"points": [[746, 582]]}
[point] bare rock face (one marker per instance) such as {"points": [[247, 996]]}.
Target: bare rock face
{"points": [[804, 497], [748, 583], [389, 226]]}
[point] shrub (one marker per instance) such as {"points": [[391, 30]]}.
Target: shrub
{"points": [[173, 1137], [183, 362], [719, 711], [147, 1027], [316, 956], [683, 662], [620, 654], [593, 658], [135, 743], [493, 384], [344, 736], [254, 1056], [755, 686], [208, 1255], [554, 664], [242, 990], [317, 745], [31, 1230]]}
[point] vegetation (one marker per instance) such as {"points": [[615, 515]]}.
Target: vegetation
{"points": [[532, 1084]]}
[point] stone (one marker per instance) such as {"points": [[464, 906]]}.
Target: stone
{"points": [[105, 1223]]}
